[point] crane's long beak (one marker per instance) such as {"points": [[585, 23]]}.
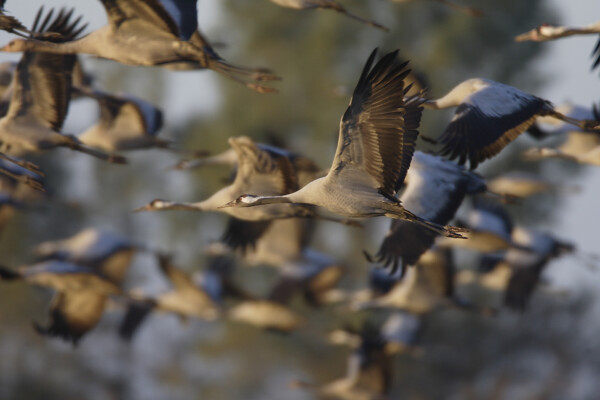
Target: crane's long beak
{"points": [[529, 35], [230, 204], [143, 208]]}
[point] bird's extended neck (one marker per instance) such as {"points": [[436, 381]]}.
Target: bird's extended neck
{"points": [[272, 200], [72, 47], [183, 206]]}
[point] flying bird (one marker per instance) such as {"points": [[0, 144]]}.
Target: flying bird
{"points": [[489, 116], [517, 184], [546, 32], [102, 251], [526, 264], [579, 146], [185, 300], [550, 32], [427, 285], [260, 170], [79, 302], [490, 228], [165, 32], [126, 123], [40, 99], [369, 372], [376, 142], [325, 5]]}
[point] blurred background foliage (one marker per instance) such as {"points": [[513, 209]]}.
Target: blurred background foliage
{"points": [[549, 352]]}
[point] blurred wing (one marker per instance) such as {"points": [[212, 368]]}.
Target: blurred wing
{"points": [[179, 279], [436, 188], [73, 314], [42, 81], [521, 285], [127, 117], [261, 171], [379, 129], [487, 120], [137, 312], [241, 235], [178, 17]]}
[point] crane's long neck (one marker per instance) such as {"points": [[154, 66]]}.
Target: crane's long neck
{"points": [[443, 102], [72, 47], [272, 200], [182, 206]]}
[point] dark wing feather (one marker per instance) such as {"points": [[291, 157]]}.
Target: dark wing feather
{"points": [[137, 312], [42, 81], [596, 55], [378, 131], [42, 88], [474, 135], [73, 314], [404, 245], [241, 235], [158, 14], [65, 29], [521, 285]]}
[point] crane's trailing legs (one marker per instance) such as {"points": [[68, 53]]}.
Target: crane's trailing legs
{"points": [[396, 211]]}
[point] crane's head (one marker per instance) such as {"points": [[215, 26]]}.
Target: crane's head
{"points": [[154, 205], [245, 200], [16, 45]]}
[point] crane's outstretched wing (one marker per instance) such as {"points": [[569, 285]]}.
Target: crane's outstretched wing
{"points": [[42, 81], [178, 17], [378, 131]]}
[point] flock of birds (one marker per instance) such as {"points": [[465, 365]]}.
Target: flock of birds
{"points": [[276, 195]]}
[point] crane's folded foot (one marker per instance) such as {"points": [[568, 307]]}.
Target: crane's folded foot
{"points": [[34, 184], [264, 75], [260, 88], [454, 232]]}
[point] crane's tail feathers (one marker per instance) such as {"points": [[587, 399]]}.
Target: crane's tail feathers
{"points": [[246, 76]]}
